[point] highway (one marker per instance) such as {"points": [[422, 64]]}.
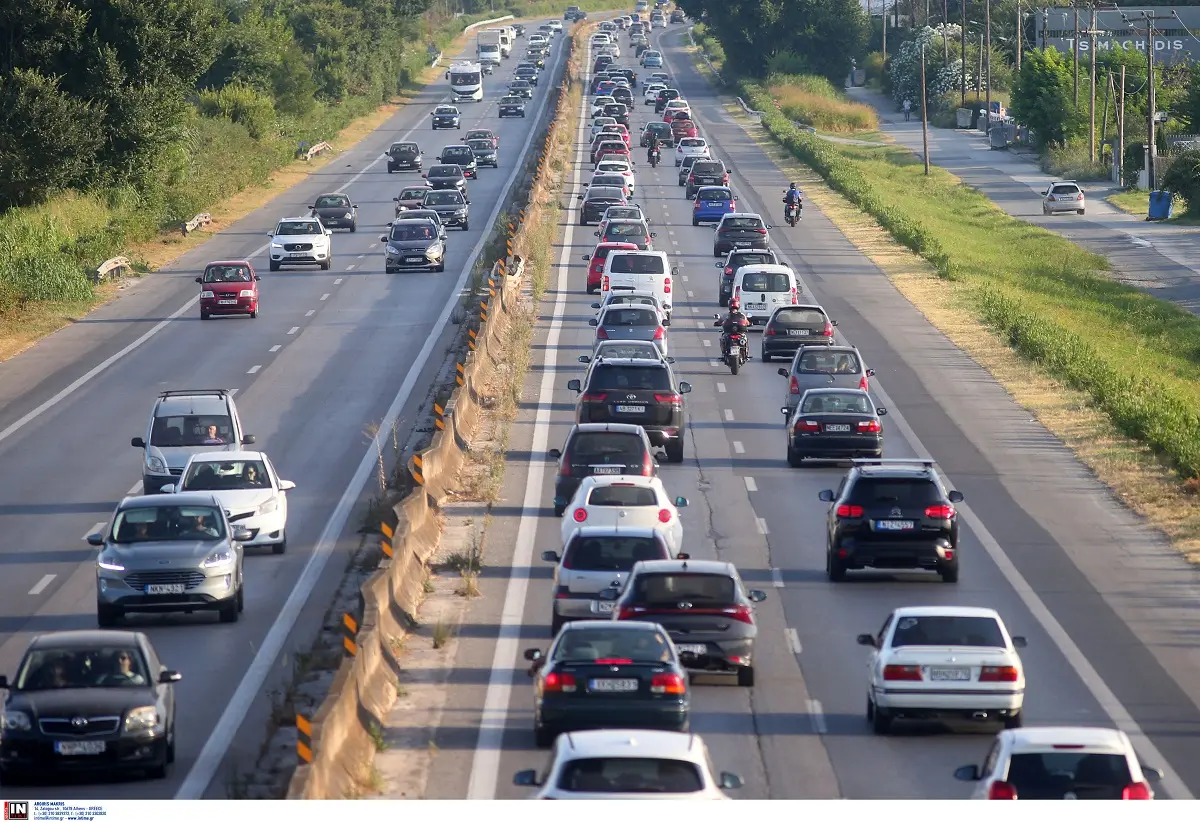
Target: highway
{"points": [[331, 353], [1107, 606]]}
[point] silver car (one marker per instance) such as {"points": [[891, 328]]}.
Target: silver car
{"points": [[183, 424], [630, 322], [169, 553], [625, 350], [824, 366]]}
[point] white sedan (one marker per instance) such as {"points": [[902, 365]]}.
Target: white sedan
{"points": [[650, 94], [598, 124], [248, 488], [621, 167], [936, 662], [599, 103], [628, 501], [691, 147]]}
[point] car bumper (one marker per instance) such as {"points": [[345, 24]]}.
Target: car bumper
{"points": [[840, 447], [340, 222], [409, 262], [36, 754], [504, 112], [266, 529], [299, 257], [451, 221], [709, 217], [571, 715], [582, 607], [718, 655], [111, 589], [445, 123], [726, 246], [1071, 206], [928, 554], [781, 345], [238, 305], [949, 701]]}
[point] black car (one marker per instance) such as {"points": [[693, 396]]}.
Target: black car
{"points": [[521, 88], [446, 117], [419, 213], [453, 209], [834, 423], [740, 230], [527, 73], [601, 63], [631, 76], [596, 201], [403, 156], [736, 259], [638, 392], [703, 606], [512, 106], [600, 448], [463, 157], [623, 96], [336, 211], [665, 96], [892, 513], [600, 675], [413, 244], [793, 327], [411, 197], [685, 168], [619, 112], [88, 701], [705, 173], [677, 16], [448, 176], [660, 130], [486, 153]]}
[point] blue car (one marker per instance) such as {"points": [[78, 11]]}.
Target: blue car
{"points": [[713, 203]]}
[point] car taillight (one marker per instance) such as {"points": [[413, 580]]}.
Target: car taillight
{"points": [[728, 271], [666, 285], [828, 331], [696, 206], [669, 399], [794, 386], [631, 612], [737, 293], [598, 396], [647, 465], [741, 613], [565, 470], [1137, 790], [604, 283], [902, 673], [1002, 790], [601, 334], [768, 331], [940, 511], [659, 333], [760, 231], [691, 178], [808, 425], [664, 515], [668, 684], [862, 383], [998, 673], [794, 299], [559, 683], [869, 427], [1080, 197], [849, 511], [725, 181], [579, 514]]}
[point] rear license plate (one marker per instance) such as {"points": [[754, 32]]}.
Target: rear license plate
{"points": [[894, 525], [164, 589], [798, 332], [631, 409], [950, 674], [87, 747], [606, 469], [613, 685], [741, 242], [603, 607], [838, 427], [692, 649], [226, 302]]}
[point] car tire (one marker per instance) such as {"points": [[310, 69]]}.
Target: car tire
{"points": [[228, 611], [158, 771], [674, 449], [388, 270], [274, 266], [466, 226], [881, 720], [171, 748], [794, 458], [745, 676], [241, 599], [695, 221], [107, 616], [254, 314], [353, 227], [950, 573], [764, 356], [281, 546], [834, 569], [556, 624], [1081, 212], [1014, 721], [204, 315], [559, 510]]}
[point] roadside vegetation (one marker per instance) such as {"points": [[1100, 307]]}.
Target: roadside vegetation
{"points": [[813, 101]]}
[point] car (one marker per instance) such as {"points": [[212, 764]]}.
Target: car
{"points": [[598, 125], [521, 88], [163, 553], [601, 62], [651, 59], [537, 57], [833, 423], [600, 674], [625, 350], [411, 197], [228, 287], [661, 131], [792, 327], [425, 214], [734, 260], [709, 172], [633, 211], [452, 207], [618, 128], [762, 289], [595, 261], [612, 179], [677, 16], [413, 244], [639, 392], [1063, 195], [823, 366], [446, 117], [612, 501], [683, 126], [482, 134], [183, 423], [691, 147], [1061, 762], [610, 165], [627, 231], [650, 93], [633, 298], [511, 106], [250, 490], [623, 95], [685, 169], [88, 701], [403, 156], [597, 199], [558, 27], [630, 76], [300, 241], [607, 448], [574, 13], [631, 322], [449, 175], [336, 211], [702, 604], [942, 662], [608, 143], [618, 111], [462, 156], [527, 73], [676, 109], [660, 77], [892, 514], [665, 96], [486, 153], [712, 203], [740, 230]]}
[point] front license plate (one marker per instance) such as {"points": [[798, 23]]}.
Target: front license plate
{"points": [[798, 332], [631, 409], [613, 685], [837, 428], [894, 525], [226, 302], [79, 748], [692, 649], [164, 589], [606, 469], [603, 607], [294, 256], [950, 674], [414, 259]]}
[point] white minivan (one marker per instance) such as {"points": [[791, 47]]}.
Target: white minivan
{"points": [[639, 272], [763, 288]]}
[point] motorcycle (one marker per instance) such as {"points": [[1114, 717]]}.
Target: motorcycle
{"points": [[737, 349], [655, 154], [792, 212]]}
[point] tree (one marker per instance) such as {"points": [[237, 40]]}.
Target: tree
{"points": [[1042, 97], [1183, 178], [940, 77]]}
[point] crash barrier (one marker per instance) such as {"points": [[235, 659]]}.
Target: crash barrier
{"points": [[313, 151], [335, 745], [481, 23], [111, 268], [755, 114], [201, 220]]}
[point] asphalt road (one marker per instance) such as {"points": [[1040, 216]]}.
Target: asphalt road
{"points": [[330, 354], [1108, 608]]}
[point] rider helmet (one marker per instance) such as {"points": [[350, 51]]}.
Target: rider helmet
{"points": [[734, 304]]}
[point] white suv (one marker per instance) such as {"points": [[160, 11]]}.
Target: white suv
{"points": [[301, 241], [1063, 195], [184, 423]]}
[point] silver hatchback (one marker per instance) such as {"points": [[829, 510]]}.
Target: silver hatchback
{"points": [[169, 553], [630, 322], [824, 366]]}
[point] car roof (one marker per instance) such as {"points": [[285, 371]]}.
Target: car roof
{"points": [[629, 361], [694, 566], [191, 405], [744, 214], [605, 625], [73, 639], [619, 530], [227, 456], [156, 500], [896, 471], [772, 268], [631, 744], [454, 145], [246, 263], [945, 611], [601, 427], [1047, 736]]}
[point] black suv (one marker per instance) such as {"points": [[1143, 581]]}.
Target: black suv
{"points": [[403, 155], [705, 173], [452, 207], [597, 449], [619, 112], [638, 392], [461, 156], [735, 260], [891, 513], [512, 106], [447, 176]]}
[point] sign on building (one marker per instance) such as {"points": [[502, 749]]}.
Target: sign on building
{"points": [[1124, 28]]}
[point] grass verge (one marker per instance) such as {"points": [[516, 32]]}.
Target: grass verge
{"points": [[815, 102]]}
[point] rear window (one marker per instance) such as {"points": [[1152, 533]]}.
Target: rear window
{"points": [[763, 281], [637, 264], [698, 589], [972, 632], [714, 194], [837, 404], [629, 317], [691, 142], [630, 378], [798, 318], [626, 230], [605, 193], [1065, 190], [916, 493], [611, 553], [755, 258], [828, 362], [1053, 775], [742, 222], [603, 447], [621, 495], [706, 166], [626, 775]]}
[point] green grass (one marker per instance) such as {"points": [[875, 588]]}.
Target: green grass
{"points": [[1138, 202], [709, 45], [815, 102], [1137, 357]]}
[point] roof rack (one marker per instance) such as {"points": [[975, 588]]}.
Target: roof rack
{"points": [[894, 461], [220, 392]]}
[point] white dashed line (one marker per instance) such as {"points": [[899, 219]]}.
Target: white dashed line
{"points": [[324, 297], [728, 415], [793, 640], [751, 485], [275, 348], [701, 324], [707, 343], [738, 448], [135, 490], [817, 714], [293, 329], [310, 312], [684, 278], [100, 525], [674, 242], [690, 294], [761, 524], [672, 233], [42, 585], [350, 267], [254, 369], [715, 363], [777, 578], [372, 245], [720, 388], [338, 281]]}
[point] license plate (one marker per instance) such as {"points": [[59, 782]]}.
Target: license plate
{"points": [[741, 242], [603, 607], [164, 589], [414, 259], [613, 685], [798, 332], [692, 649], [87, 747], [631, 409], [606, 469], [226, 302], [894, 525], [299, 254], [838, 427], [950, 674], [735, 350]]}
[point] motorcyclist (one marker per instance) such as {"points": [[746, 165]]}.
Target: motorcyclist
{"points": [[732, 322], [793, 198], [655, 147]]}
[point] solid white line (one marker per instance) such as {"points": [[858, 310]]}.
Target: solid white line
{"points": [[751, 485], [720, 388], [254, 369], [793, 640], [324, 297], [738, 448], [761, 525], [42, 584], [275, 348], [100, 525], [338, 281], [729, 415], [293, 330], [776, 578], [360, 256], [310, 312], [816, 714]]}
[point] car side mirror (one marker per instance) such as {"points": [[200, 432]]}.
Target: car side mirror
{"points": [[550, 556], [783, 372], [730, 781], [867, 640], [312, 206], [967, 773], [580, 197], [593, 322], [870, 372], [833, 322], [785, 410], [595, 305], [1020, 642], [287, 485], [685, 388], [881, 411], [169, 488], [96, 540], [533, 654], [584, 358], [718, 265], [257, 278], [653, 233], [242, 534], [383, 238], [168, 677], [825, 496], [526, 779], [200, 279], [666, 322], [588, 258], [956, 496], [138, 442], [681, 502], [575, 386], [756, 595], [1151, 774], [610, 594], [249, 439], [270, 233]]}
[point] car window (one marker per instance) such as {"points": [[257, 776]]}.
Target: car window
{"points": [[708, 167], [227, 274], [445, 171], [1065, 189], [740, 259], [630, 378], [620, 495], [185, 431], [606, 192], [837, 404], [828, 362], [623, 213], [404, 149], [971, 632], [416, 193], [637, 264], [443, 198], [630, 317], [168, 522], [742, 222], [602, 447], [226, 476], [632, 299], [457, 152], [412, 232], [446, 110], [96, 666], [1054, 774], [332, 201], [510, 100], [689, 161], [691, 142], [798, 318], [616, 229], [480, 145], [899, 492], [297, 229], [764, 281], [699, 589], [628, 775], [611, 553]]}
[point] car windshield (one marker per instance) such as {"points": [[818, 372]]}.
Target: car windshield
{"points": [[616, 229], [756, 258], [688, 162], [621, 494], [1055, 775], [630, 378], [766, 281], [297, 229], [613, 167], [798, 317], [632, 299], [457, 152], [611, 553], [242, 475], [668, 589], [508, 101], [742, 222], [445, 110], [629, 317], [609, 179], [909, 493], [443, 198], [848, 403], [623, 213], [98, 666], [707, 167], [470, 78], [166, 522], [412, 233], [404, 150], [597, 644], [601, 192], [1065, 190], [200, 429], [445, 171], [480, 135], [333, 201], [417, 193], [827, 362], [965, 631], [481, 145], [227, 274], [658, 128], [637, 264]]}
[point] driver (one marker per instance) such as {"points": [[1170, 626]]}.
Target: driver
{"points": [[732, 322]]}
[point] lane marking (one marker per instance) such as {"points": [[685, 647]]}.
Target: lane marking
{"points": [[690, 294], [793, 640], [310, 312], [761, 525], [338, 281], [751, 485], [254, 369], [100, 525], [738, 448], [232, 391], [324, 297], [720, 388], [776, 578], [348, 268], [293, 330], [361, 256], [275, 348], [728, 415], [816, 713], [706, 343], [684, 278], [372, 245], [715, 363], [42, 584]]}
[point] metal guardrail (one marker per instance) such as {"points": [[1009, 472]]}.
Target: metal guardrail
{"points": [[704, 56], [488, 22], [106, 268], [315, 150], [747, 108], [202, 220]]}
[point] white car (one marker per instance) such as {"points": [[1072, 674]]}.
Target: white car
{"points": [[598, 124], [691, 147], [677, 105], [650, 93], [633, 211], [557, 26], [628, 501], [538, 40], [637, 765], [621, 167], [1061, 763], [599, 103], [248, 488], [633, 298], [611, 49], [934, 662], [300, 241]]}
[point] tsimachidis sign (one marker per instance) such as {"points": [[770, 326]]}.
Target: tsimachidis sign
{"points": [[1173, 31]]}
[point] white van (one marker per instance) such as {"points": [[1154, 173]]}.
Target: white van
{"points": [[639, 272], [763, 288]]}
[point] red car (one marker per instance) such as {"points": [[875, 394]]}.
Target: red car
{"points": [[595, 261], [482, 134], [677, 114], [683, 127], [228, 287]]}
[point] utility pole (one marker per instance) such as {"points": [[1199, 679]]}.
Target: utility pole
{"points": [[945, 36], [1120, 152], [924, 116], [987, 18], [1020, 34], [1075, 60], [883, 27], [979, 73], [1091, 33], [962, 7], [1149, 18], [1108, 93]]}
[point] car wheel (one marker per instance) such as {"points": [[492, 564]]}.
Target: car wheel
{"points": [[388, 270], [695, 221], [241, 599], [794, 458], [158, 771], [950, 573], [582, 221], [674, 449], [881, 720], [325, 266], [1081, 212], [228, 611], [107, 616], [834, 569], [281, 546], [274, 266], [441, 267], [204, 315], [764, 356], [466, 226], [559, 509], [1014, 721], [353, 227], [745, 676]]}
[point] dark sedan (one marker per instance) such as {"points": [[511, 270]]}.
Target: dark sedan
{"points": [[608, 675], [657, 129], [426, 214], [336, 211], [451, 206], [527, 73], [446, 117], [403, 156], [834, 423], [597, 200], [88, 701], [447, 176], [793, 326], [461, 156], [411, 197], [486, 153], [413, 244], [521, 88], [512, 106]]}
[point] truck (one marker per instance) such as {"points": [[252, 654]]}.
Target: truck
{"points": [[574, 13], [466, 82], [487, 48], [505, 39]]}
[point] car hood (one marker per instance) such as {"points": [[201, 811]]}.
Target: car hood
{"points": [[159, 556], [447, 208], [447, 182], [315, 239], [483, 152], [411, 245], [177, 456], [72, 702], [242, 500]]}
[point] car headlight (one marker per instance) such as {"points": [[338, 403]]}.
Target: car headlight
{"points": [[433, 250], [347, 215], [222, 556], [109, 563], [391, 249], [156, 465], [462, 212], [207, 295], [246, 292], [16, 721], [269, 506], [276, 246], [141, 719]]}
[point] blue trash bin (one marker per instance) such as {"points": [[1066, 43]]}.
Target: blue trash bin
{"points": [[1162, 205]]}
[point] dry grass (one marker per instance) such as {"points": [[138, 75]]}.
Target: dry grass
{"points": [[815, 102], [1141, 480]]}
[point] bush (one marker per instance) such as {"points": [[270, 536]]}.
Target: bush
{"points": [[814, 101], [1071, 162], [243, 105], [1182, 177]]}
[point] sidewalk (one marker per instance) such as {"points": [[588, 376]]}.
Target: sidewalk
{"points": [[1157, 257]]}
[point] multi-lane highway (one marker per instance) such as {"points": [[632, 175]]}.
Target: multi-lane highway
{"points": [[331, 353], [1107, 606]]}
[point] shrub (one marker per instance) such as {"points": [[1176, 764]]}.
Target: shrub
{"points": [[1182, 177], [814, 101], [1071, 162], [243, 105]]}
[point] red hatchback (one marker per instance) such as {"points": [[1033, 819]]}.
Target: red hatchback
{"points": [[681, 128], [595, 261], [228, 287]]}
